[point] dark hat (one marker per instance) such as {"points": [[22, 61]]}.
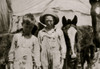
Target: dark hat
{"points": [[56, 18]]}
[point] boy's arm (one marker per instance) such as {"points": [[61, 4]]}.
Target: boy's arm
{"points": [[63, 44], [37, 52], [12, 49]]}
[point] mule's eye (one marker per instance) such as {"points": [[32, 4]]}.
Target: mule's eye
{"points": [[63, 28]]}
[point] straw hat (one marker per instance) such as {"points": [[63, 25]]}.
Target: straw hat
{"points": [[56, 18]]}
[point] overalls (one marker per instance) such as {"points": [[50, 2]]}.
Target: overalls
{"points": [[51, 51]]}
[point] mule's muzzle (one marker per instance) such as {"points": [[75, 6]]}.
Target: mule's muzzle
{"points": [[73, 61], [73, 56]]}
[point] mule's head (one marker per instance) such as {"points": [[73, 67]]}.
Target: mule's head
{"points": [[70, 32], [95, 14]]}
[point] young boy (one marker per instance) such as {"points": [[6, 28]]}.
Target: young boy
{"points": [[25, 47], [51, 40]]}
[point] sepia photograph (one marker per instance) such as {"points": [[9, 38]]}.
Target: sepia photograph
{"points": [[49, 34]]}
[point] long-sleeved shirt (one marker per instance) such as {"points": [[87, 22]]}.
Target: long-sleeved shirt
{"points": [[23, 49]]}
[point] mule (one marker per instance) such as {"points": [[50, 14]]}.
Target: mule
{"points": [[79, 42], [95, 15], [4, 63]]}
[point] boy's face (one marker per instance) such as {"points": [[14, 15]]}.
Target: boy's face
{"points": [[49, 21], [27, 27]]}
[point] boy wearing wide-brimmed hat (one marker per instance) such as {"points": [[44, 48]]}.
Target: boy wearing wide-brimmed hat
{"points": [[52, 43]]}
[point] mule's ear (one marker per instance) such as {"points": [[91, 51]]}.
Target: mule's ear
{"points": [[64, 21], [92, 1], [74, 21]]}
